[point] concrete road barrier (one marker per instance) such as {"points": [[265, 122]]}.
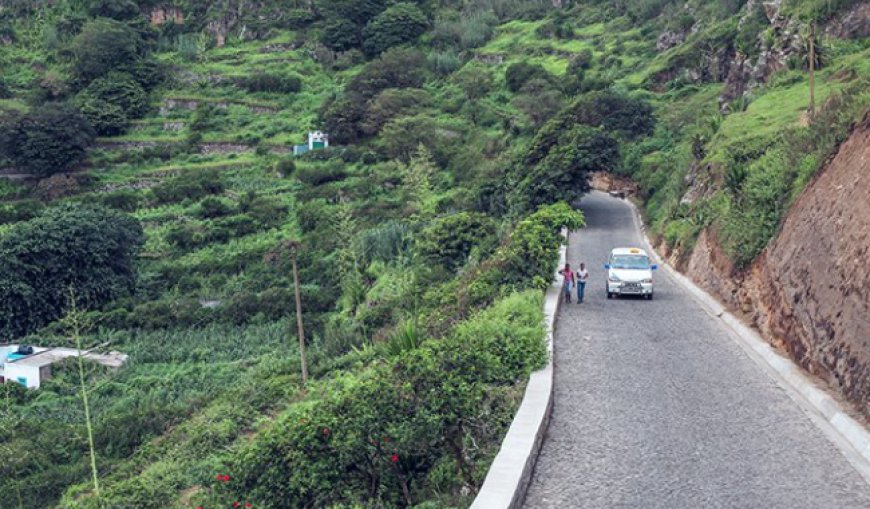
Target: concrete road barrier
{"points": [[511, 470]]}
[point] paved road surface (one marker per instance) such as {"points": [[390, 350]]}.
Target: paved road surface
{"points": [[657, 407]]}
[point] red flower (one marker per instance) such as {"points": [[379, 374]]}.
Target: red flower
{"points": [[236, 504], [394, 458], [219, 477], [248, 504], [226, 478], [199, 507]]}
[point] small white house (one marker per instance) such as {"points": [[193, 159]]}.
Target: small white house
{"points": [[28, 374], [30, 370], [316, 140]]}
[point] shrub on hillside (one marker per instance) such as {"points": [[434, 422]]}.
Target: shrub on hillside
{"points": [[614, 111], [120, 90], [395, 68], [115, 9], [398, 24], [106, 119], [274, 83], [103, 46], [384, 431], [86, 248], [48, 140], [558, 164], [212, 207], [190, 185], [448, 240], [321, 174], [357, 11], [341, 34], [443, 63], [465, 33], [126, 200], [20, 211], [392, 103], [343, 116], [520, 73]]}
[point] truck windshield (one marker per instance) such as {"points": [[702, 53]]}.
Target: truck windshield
{"points": [[630, 262]]}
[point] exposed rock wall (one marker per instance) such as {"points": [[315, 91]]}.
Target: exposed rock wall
{"points": [[851, 24], [809, 291]]}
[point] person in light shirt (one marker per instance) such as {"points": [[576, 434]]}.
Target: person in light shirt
{"points": [[581, 277]]}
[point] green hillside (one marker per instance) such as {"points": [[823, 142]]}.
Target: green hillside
{"points": [[151, 179]]}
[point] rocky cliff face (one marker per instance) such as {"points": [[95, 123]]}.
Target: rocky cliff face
{"points": [[744, 69], [809, 291]]}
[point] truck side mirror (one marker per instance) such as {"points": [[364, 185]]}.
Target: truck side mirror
{"points": [[607, 266], [654, 267]]}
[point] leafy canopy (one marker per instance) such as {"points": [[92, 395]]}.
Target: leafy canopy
{"points": [[48, 140], [397, 25], [84, 247], [104, 45]]}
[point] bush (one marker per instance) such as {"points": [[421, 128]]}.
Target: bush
{"points": [[449, 240], [103, 46], [115, 9], [520, 73], [392, 103], [346, 449], [285, 167], [274, 83], [48, 140], [558, 163], [342, 118], [212, 207], [341, 34], [88, 249], [120, 90], [125, 200], [357, 11], [466, 33], [398, 24], [321, 174], [106, 119], [580, 62], [626, 116], [264, 211], [443, 63], [190, 185], [395, 68], [20, 211]]}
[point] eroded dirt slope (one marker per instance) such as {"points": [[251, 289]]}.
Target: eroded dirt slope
{"points": [[809, 291]]}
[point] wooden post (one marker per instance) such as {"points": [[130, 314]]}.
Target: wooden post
{"points": [[300, 328], [812, 71]]}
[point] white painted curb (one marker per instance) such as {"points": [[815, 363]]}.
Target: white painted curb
{"points": [[850, 436], [511, 471]]}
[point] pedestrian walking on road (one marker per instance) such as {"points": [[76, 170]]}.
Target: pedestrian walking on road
{"points": [[581, 277], [567, 281]]}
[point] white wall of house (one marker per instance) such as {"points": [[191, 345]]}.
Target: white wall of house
{"points": [[29, 376]]}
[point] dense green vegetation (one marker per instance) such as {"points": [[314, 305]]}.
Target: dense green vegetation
{"points": [[164, 193]]}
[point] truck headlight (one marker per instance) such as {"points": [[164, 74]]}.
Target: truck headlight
{"points": [[613, 279]]}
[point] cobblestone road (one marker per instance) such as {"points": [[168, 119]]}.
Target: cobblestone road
{"points": [[657, 407]]}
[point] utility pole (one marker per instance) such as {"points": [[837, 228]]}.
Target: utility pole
{"points": [[812, 70], [293, 247]]}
